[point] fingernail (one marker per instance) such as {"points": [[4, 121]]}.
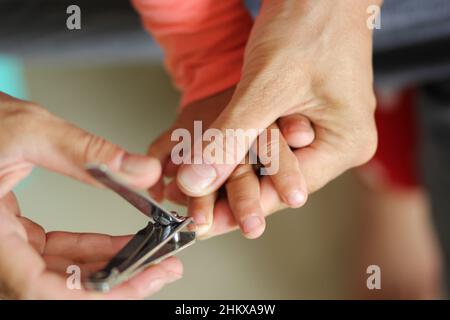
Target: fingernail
{"points": [[201, 223], [196, 177], [295, 198], [251, 224], [294, 126], [137, 164]]}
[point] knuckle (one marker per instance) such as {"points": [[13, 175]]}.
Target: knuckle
{"points": [[34, 109], [19, 115], [19, 120], [98, 149], [366, 147]]}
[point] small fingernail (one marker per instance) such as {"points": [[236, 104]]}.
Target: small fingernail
{"points": [[196, 177], [297, 126], [137, 164], [251, 224], [296, 198]]}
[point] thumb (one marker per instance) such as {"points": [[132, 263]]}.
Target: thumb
{"points": [[35, 136], [224, 145]]}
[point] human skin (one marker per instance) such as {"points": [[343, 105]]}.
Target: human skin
{"points": [[32, 262], [396, 233], [243, 186], [308, 58]]}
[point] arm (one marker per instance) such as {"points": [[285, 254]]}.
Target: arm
{"points": [[203, 42]]}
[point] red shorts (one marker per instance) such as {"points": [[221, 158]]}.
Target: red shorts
{"points": [[396, 161]]}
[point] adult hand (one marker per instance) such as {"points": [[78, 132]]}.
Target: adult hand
{"points": [[33, 263], [242, 196], [313, 58]]}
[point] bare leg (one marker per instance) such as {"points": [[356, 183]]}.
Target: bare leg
{"points": [[397, 235]]}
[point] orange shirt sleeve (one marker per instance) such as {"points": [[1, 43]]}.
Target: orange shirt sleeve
{"points": [[203, 42]]}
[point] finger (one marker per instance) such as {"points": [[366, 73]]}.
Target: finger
{"points": [[23, 272], [140, 286], [40, 138], [160, 149], [244, 199], [83, 247], [149, 281], [287, 178], [170, 169], [50, 285], [319, 164], [202, 179], [270, 199], [20, 264], [9, 205], [157, 190], [10, 217], [201, 209], [35, 234], [224, 220], [173, 193], [16, 255], [11, 175], [297, 130], [60, 264]]}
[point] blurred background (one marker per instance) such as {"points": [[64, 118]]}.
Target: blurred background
{"points": [[108, 78]]}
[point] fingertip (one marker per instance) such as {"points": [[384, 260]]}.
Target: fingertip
{"points": [[295, 198], [140, 171], [253, 226], [297, 130], [299, 139]]}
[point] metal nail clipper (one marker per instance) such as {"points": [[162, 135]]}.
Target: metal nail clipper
{"points": [[161, 238]]}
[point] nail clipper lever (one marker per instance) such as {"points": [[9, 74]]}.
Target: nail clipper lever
{"points": [[161, 238]]}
